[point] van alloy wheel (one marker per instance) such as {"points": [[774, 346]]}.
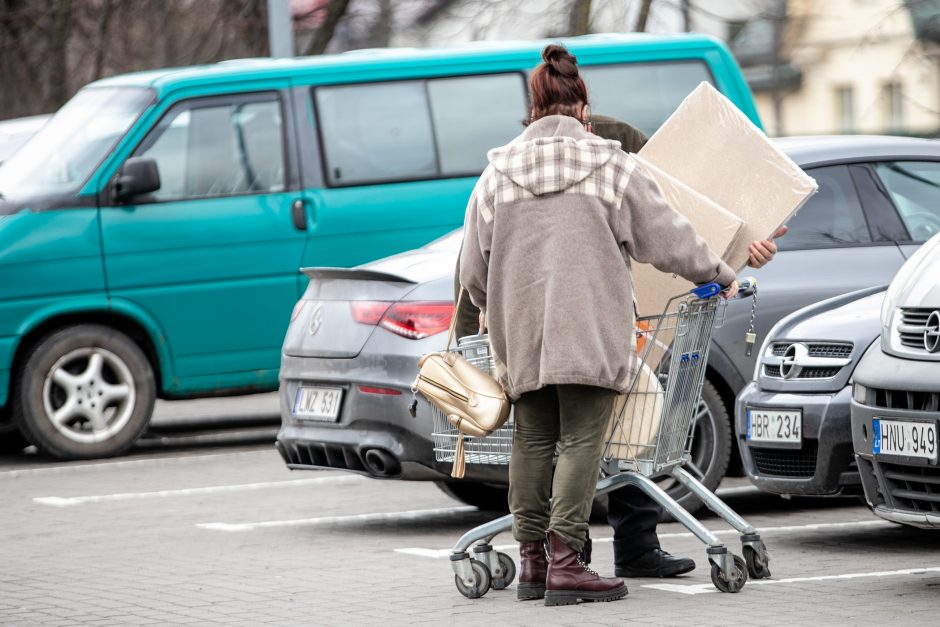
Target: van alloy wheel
{"points": [[88, 395], [84, 391]]}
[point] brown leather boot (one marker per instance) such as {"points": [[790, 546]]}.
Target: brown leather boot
{"points": [[570, 581], [534, 567]]}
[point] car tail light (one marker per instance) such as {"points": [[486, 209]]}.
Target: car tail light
{"points": [[418, 320], [369, 312], [413, 320]]}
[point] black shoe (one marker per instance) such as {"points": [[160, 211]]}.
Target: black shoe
{"points": [[655, 563]]}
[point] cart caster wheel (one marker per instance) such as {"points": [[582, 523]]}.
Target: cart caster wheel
{"points": [[508, 572], [733, 582], [480, 584], [757, 562]]}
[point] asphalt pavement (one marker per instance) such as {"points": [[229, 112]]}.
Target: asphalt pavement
{"points": [[223, 533]]}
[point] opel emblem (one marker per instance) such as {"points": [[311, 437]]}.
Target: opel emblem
{"points": [[316, 319], [932, 332], [791, 365]]}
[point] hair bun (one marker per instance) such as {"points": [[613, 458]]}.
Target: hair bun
{"points": [[560, 60]]}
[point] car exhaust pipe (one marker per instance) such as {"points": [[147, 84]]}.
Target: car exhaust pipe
{"points": [[381, 463]]}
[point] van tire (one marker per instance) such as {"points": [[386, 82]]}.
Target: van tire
{"points": [[103, 374], [711, 451]]}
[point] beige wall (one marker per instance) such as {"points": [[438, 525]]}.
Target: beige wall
{"points": [[863, 45]]}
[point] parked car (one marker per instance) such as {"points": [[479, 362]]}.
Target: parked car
{"points": [[792, 420], [14, 133], [170, 211], [896, 394], [849, 236]]}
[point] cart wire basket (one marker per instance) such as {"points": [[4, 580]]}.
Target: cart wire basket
{"points": [[492, 449], [649, 437]]}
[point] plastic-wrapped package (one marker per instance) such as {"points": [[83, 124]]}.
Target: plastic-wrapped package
{"points": [[710, 147], [717, 226]]}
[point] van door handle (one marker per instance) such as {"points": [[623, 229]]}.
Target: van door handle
{"points": [[298, 214]]}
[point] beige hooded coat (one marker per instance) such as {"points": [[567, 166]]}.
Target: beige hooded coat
{"points": [[549, 233]]}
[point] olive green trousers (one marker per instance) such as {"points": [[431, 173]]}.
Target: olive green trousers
{"points": [[574, 418]]}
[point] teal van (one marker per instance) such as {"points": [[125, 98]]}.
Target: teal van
{"points": [[151, 233]]}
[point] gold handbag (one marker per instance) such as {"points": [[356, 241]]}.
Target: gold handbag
{"points": [[473, 401]]}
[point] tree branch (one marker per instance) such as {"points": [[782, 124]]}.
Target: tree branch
{"points": [[335, 10]]}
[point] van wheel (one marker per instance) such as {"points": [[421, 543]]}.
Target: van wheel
{"points": [[711, 450], [84, 391]]}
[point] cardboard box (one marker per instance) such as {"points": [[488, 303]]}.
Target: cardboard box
{"points": [[708, 155]]}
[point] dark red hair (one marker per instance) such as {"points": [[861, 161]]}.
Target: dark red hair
{"points": [[556, 87]]}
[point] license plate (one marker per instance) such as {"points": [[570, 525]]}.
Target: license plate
{"points": [[775, 425], [318, 403], [907, 438]]}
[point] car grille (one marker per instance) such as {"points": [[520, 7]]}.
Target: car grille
{"points": [[914, 488], [817, 349], [897, 399], [913, 326], [787, 463], [826, 350]]}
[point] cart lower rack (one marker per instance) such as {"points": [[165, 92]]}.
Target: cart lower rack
{"points": [[649, 437]]}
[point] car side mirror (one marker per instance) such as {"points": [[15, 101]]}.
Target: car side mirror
{"points": [[138, 175]]}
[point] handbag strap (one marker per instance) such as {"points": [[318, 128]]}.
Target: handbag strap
{"points": [[453, 319]]}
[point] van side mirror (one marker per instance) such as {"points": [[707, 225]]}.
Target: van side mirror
{"points": [[138, 175]]}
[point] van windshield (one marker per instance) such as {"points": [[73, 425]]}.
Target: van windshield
{"points": [[62, 155]]}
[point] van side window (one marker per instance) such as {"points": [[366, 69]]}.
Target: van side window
{"points": [[613, 90], [218, 150], [914, 187], [471, 115], [413, 130], [831, 218], [376, 132]]}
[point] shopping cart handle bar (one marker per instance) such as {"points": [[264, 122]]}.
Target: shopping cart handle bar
{"points": [[706, 291], [746, 287]]}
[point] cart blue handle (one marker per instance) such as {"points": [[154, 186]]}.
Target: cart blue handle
{"points": [[746, 287]]}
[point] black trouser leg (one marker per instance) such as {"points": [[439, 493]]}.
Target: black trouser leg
{"points": [[634, 517]]}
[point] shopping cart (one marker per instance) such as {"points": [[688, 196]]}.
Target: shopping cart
{"points": [[649, 439]]}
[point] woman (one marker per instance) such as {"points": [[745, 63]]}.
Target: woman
{"points": [[550, 230]]}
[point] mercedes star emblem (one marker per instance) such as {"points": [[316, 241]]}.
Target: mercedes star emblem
{"points": [[791, 365], [932, 332], [316, 319]]}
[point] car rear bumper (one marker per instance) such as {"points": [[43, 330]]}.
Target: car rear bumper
{"points": [[823, 464], [375, 434]]}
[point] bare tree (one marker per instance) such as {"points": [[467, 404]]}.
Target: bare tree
{"points": [[579, 22], [643, 16], [332, 12]]}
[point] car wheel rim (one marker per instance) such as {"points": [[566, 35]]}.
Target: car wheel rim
{"points": [[88, 395]]}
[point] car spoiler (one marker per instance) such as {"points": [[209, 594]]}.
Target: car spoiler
{"points": [[361, 274]]}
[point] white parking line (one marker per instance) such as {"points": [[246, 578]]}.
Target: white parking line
{"points": [[66, 501], [705, 588], [410, 515], [61, 469], [440, 553]]}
